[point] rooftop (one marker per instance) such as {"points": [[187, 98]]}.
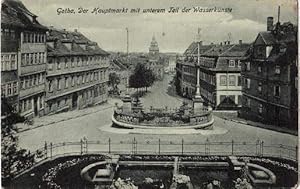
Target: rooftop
{"points": [[15, 14], [80, 45]]}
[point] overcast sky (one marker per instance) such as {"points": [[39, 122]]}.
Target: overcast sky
{"points": [[174, 32]]}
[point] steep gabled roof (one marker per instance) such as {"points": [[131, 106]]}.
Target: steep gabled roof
{"points": [[62, 37], [238, 50], [14, 13], [217, 50]]}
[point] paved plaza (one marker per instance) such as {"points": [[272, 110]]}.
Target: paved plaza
{"points": [[94, 126]]}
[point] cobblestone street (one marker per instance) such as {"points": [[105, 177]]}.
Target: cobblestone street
{"points": [[88, 123]]}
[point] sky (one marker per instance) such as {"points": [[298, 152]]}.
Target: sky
{"points": [[173, 32]]}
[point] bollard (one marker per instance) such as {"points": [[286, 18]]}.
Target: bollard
{"points": [[86, 146], [109, 148], [232, 143], [182, 146], [51, 150], [46, 150], [256, 147], [159, 146], [297, 152], [81, 147], [262, 148]]}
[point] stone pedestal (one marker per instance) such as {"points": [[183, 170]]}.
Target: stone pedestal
{"points": [[126, 104], [197, 104]]}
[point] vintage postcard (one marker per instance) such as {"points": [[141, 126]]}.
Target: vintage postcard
{"points": [[140, 94]]}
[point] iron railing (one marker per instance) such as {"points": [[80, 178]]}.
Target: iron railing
{"points": [[163, 147]]}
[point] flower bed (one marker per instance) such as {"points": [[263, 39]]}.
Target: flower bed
{"points": [[50, 177]]}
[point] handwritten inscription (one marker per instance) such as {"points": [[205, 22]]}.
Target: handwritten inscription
{"points": [[124, 10]]}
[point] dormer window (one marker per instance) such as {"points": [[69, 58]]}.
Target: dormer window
{"points": [[247, 66], [259, 87], [277, 69], [69, 46], [259, 69], [239, 63], [268, 51], [260, 51], [231, 63]]}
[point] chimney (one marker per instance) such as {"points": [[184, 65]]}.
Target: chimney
{"points": [[240, 41], [200, 43], [225, 42], [64, 29], [270, 23], [228, 42], [75, 30], [221, 43]]}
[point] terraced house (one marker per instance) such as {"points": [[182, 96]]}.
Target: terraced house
{"points": [[220, 75], [186, 68], [270, 77], [23, 59], [220, 67], [77, 71]]}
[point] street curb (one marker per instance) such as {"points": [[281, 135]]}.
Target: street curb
{"points": [[266, 127], [51, 123]]}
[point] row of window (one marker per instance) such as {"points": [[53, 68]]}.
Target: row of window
{"points": [[87, 94], [8, 61], [30, 37], [234, 63], [28, 103], [188, 69], [64, 82], [276, 88], [208, 78], [233, 80], [58, 63], [189, 79], [33, 58], [32, 81], [8, 33], [248, 104], [260, 70], [208, 95], [9, 89]]}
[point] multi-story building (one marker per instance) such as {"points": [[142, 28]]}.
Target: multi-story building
{"points": [[77, 72], [220, 67], [121, 70], [23, 58], [186, 69], [270, 76], [155, 61], [220, 75]]}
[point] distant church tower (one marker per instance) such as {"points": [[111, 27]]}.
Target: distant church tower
{"points": [[153, 49]]}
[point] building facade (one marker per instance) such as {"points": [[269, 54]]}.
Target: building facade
{"points": [[77, 72], [155, 61], [220, 67], [23, 58], [270, 77]]}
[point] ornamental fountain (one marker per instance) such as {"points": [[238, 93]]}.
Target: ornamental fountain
{"points": [[132, 114]]}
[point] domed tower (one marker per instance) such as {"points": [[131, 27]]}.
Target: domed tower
{"points": [[153, 49]]}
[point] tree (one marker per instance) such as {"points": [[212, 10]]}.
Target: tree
{"points": [[142, 77], [114, 81], [13, 158]]}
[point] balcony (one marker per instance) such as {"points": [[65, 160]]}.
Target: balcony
{"points": [[31, 69], [32, 91]]}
